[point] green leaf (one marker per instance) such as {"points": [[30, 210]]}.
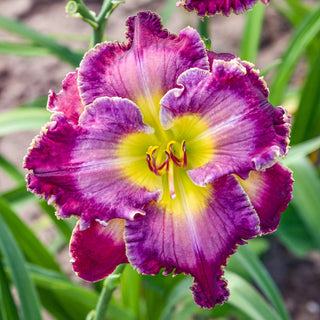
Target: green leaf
{"points": [[29, 303], [294, 234], [64, 226], [22, 119], [33, 249], [156, 291], [20, 195], [20, 29], [37, 103], [306, 123], [252, 33], [17, 195], [260, 275], [306, 198], [64, 299], [294, 11], [177, 295], [304, 34], [57, 282], [11, 170], [22, 49], [8, 309], [302, 150], [247, 299], [130, 290]]}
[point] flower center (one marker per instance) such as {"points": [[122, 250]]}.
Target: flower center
{"points": [[160, 161], [167, 165]]}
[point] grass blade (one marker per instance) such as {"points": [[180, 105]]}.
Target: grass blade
{"points": [[304, 34], [252, 33], [8, 309], [74, 300], [22, 49], [130, 290], [302, 150], [33, 249], [29, 303], [37, 103], [293, 233], [244, 297], [306, 123], [11, 170], [306, 195], [178, 294], [20, 29], [22, 119], [260, 275]]}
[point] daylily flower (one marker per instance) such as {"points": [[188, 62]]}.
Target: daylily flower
{"points": [[167, 153], [211, 7]]}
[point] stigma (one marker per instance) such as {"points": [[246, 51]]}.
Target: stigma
{"points": [[161, 163]]}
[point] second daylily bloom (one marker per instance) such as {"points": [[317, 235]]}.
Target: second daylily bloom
{"points": [[211, 7], [167, 153]]}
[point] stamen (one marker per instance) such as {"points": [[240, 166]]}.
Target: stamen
{"points": [[148, 158], [167, 165], [175, 160], [183, 149], [165, 162]]}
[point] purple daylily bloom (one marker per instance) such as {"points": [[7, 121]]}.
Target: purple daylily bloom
{"points": [[211, 7], [167, 153]]}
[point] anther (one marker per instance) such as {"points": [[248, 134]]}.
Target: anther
{"points": [[167, 165], [184, 151]]}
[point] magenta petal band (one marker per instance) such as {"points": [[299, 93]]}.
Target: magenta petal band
{"points": [[248, 133], [270, 192], [97, 251], [148, 64], [73, 165], [211, 7], [197, 243], [166, 152], [67, 101]]}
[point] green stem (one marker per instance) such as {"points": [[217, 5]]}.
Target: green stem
{"points": [[107, 8], [109, 285], [204, 27], [99, 32], [204, 30]]}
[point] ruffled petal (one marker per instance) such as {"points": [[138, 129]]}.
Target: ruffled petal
{"points": [[96, 251], [145, 68], [211, 7], [270, 192], [247, 132], [67, 101], [77, 167], [252, 74], [194, 242]]}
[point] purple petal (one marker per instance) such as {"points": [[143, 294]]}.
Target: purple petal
{"points": [[67, 101], [270, 193], [252, 73], [77, 166], [98, 250], [247, 132], [196, 243], [147, 66], [211, 7]]}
